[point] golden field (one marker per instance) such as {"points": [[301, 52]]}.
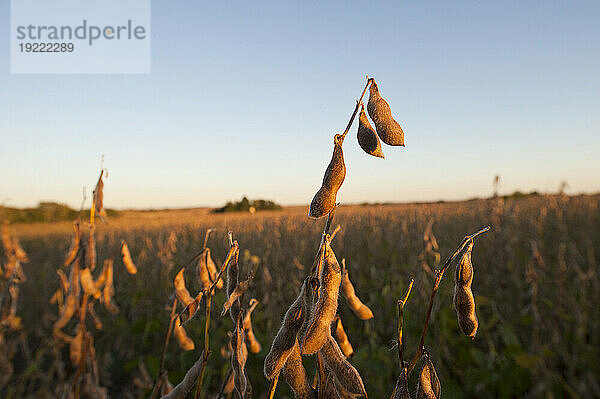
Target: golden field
{"points": [[536, 288]]}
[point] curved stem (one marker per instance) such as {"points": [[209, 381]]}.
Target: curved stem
{"points": [[438, 278], [158, 382], [273, 387], [401, 304], [206, 351], [356, 108]]}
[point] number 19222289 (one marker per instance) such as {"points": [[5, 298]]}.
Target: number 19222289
{"points": [[46, 47]]}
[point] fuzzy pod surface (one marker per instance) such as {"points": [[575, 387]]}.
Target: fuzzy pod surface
{"points": [[233, 271], [126, 258], [429, 386], [342, 339], [325, 309], [388, 130], [344, 372], [284, 341], [401, 390], [367, 138], [361, 310], [464, 301], [295, 375], [324, 200]]}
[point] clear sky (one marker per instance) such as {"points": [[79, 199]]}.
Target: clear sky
{"points": [[244, 99]]}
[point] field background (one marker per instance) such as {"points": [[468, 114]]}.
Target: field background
{"points": [[536, 285]]}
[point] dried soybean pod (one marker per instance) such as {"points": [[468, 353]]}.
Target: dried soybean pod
{"points": [[295, 375], [324, 200], [255, 346], [64, 282], [341, 391], [329, 390], [74, 286], [401, 390], [342, 338], [344, 372], [126, 257], [90, 251], [367, 138], [184, 341], [202, 271], [464, 302], [388, 130], [361, 310], [191, 309], [189, 303], [56, 297], [94, 316], [238, 359], [87, 282], [67, 312], [233, 272], [109, 291], [76, 347], [212, 269], [228, 385], [74, 244], [326, 307], [98, 196], [102, 277], [283, 344], [429, 385], [239, 290], [183, 295]]}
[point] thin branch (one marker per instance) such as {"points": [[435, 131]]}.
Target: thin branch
{"points": [[158, 382], [438, 278], [401, 304], [233, 249], [356, 108], [206, 351], [273, 387]]}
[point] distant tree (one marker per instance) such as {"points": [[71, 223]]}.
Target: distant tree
{"points": [[245, 205]]}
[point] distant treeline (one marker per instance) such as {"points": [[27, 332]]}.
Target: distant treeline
{"points": [[45, 212], [245, 205]]}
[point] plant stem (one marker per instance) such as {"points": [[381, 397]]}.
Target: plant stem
{"points": [[158, 382], [401, 304], [318, 258], [356, 108], [233, 249], [273, 387], [206, 352], [438, 278]]}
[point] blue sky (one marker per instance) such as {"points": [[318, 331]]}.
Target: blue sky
{"points": [[244, 99]]}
